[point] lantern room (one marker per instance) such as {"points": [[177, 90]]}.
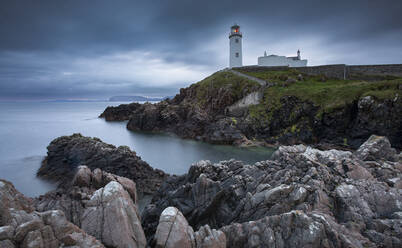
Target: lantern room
{"points": [[235, 30]]}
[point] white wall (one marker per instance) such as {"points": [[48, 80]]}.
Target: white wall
{"points": [[280, 61], [233, 49]]}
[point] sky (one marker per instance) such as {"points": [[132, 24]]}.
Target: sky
{"points": [[95, 49]]}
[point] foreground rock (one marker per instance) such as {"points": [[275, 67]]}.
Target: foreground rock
{"points": [[293, 229], [66, 153], [21, 226], [173, 231], [102, 204], [304, 197]]}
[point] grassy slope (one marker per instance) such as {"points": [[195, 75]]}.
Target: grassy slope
{"points": [[237, 85], [328, 96]]}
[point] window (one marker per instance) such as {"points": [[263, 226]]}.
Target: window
{"points": [[237, 40], [237, 55]]}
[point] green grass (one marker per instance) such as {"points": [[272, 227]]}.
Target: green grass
{"points": [[272, 76], [328, 96], [238, 86]]}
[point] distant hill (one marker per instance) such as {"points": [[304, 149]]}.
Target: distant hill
{"points": [[135, 99]]}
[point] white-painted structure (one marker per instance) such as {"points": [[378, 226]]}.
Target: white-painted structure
{"points": [[275, 60], [235, 47]]}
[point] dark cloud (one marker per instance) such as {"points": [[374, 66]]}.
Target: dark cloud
{"points": [[74, 48]]}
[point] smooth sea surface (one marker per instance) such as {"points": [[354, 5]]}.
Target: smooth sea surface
{"points": [[26, 128]]}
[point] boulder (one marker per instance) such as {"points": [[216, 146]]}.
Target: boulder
{"points": [[174, 231], [377, 148], [112, 217]]}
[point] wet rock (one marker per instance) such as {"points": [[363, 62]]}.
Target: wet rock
{"points": [[66, 153]]}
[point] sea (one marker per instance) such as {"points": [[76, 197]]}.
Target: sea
{"points": [[27, 128]]}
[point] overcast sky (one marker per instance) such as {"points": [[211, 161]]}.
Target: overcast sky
{"points": [[54, 49]]}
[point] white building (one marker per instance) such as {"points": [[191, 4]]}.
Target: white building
{"points": [[275, 60], [236, 56], [235, 50]]}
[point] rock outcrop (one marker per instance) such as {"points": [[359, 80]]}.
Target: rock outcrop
{"points": [[174, 231], [102, 204], [66, 153], [21, 226], [198, 112], [228, 109], [111, 216], [293, 229], [302, 197], [120, 113]]}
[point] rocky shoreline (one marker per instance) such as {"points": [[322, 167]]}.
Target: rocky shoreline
{"points": [[228, 109], [66, 153], [302, 197]]}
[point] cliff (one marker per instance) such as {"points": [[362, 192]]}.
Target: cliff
{"points": [[291, 107]]}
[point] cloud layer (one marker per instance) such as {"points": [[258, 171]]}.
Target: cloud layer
{"points": [[96, 49]]}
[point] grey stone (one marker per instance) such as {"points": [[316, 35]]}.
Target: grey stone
{"points": [[6, 232], [112, 217], [377, 148], [6, 244], [173, 230]]}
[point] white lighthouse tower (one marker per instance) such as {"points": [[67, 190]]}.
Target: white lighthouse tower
{"points": [[235, 53]]}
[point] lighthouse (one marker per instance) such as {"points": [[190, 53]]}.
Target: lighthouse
{"points": [[235, 50]]}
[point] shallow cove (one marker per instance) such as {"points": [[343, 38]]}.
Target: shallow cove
{"points": [[26, 128]]}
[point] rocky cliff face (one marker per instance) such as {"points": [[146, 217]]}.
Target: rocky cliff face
{"points": [[303, 197], [320, 112], [198, 112], [66, 153]]}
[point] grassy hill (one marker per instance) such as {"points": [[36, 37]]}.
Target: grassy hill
{"points": [[327, 94]]}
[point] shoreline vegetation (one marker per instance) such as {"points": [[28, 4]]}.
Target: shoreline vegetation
{"points": [[292, 108]]}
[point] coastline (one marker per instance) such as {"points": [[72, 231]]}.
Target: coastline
{"points": [[220, 204]]}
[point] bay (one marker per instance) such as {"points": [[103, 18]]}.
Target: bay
{"points": [[26, 128]]}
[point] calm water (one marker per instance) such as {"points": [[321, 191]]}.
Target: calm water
{"points": [[27, 128]]}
